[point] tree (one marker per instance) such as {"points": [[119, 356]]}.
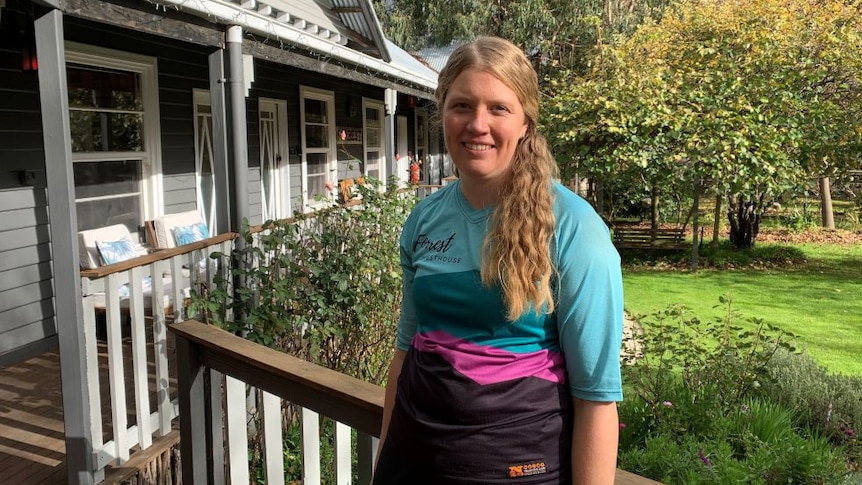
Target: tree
{"points": [[552, 32], [752, 96]]}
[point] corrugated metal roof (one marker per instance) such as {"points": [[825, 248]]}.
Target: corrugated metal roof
{"points": [[437, 57], [359, 16], [344, 29], [406, 61]]}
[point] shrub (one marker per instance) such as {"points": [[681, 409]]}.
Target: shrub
{"points": [[717, 360], [699, 413], [324, 286], [829, 403]]}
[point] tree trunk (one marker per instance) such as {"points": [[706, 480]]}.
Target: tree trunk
{"points": [[654, 216], [826, 213], [695, 221], [600, 197], [744, 219], [716, 224]]}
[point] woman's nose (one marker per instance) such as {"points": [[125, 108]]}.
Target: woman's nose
{"points": [[478, 121]]}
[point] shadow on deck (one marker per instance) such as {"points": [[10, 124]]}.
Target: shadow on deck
{"points": [[32, 442]]}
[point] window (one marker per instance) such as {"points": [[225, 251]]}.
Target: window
{"points": [[114, 124], [317, 112], [204, 158], [273, 165], [373, 119], [422, 143]]}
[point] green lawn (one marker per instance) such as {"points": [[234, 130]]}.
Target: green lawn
{"points": [[820, 300]]}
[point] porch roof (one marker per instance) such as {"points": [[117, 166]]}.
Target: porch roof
{"points": [[346, 30]]}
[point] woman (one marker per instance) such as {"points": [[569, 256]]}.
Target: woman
{"points": [[507, 361]]}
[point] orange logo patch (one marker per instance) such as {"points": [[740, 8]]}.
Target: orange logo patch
{"points": [[527, 469]]}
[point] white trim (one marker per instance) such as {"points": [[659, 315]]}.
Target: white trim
{"points": [[421, 121], [233, 14], [201, 97], [402, 128], [381, 147], [151, 159], [83, 157], [118, 195], [282, 175], [306, 92]]}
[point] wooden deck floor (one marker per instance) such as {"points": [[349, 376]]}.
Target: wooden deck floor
{"points": [[32, 446], [32, 443]]}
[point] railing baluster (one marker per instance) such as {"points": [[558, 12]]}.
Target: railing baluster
{"points": [[272, 438], [139, 355], [366, 451], [160, 348], [237, 432], [177, 284], [310, 447], [343, 457], [115, 366]]}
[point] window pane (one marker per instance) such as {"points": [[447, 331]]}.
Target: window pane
{"points": [[316, 165], [101, 179], [124, 210], [205, 145], [420, 132], [95, 87], [316, 136], [372, 116], [94, 131], [315, 111], [372, 136]]}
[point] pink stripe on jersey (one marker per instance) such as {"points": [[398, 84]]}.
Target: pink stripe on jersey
{"points": [[489, 365]]}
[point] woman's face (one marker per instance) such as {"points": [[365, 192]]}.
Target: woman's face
{"points": [[483, 120]]}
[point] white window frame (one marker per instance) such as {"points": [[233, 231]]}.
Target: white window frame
{"points": [[282, 175], [421, 120], [152, 199], [201, 97], [380, 107], [306, 92]]}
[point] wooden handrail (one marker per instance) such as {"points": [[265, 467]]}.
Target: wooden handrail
{"points": [[355, 403], [156, 255], [346, 399]]}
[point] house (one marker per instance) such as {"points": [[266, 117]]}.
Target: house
{"points": [[144, 131], [120, 111]]}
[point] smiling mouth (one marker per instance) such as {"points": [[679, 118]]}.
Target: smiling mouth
{"points": [[477, 147]]}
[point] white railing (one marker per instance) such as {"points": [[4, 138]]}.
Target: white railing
{"points": [[212, 360], [130, 365], [423, 191]]}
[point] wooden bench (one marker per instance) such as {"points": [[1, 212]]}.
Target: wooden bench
{"points": [[638, 237]]}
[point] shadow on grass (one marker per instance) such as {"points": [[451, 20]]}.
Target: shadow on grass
{"points": [[790, 258]]}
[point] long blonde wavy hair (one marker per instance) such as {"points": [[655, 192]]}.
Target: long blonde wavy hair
{"points": [[516, 252]]}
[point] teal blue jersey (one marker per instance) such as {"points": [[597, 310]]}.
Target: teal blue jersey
{"points": [[481, 397]]}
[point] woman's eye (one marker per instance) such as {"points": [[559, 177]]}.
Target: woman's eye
{"points": [[500, 108], [460, 106]]}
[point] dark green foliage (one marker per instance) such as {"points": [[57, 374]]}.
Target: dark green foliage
{"points": [[829, 403], [719, 362], [324, 287], [696, 410]]}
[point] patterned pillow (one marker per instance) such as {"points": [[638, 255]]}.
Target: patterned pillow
{"points": [[116, 251], [189, 234], [146, 288]]}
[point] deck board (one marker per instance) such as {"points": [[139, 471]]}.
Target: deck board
{"points": [[32, 446], [32, 443]]}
